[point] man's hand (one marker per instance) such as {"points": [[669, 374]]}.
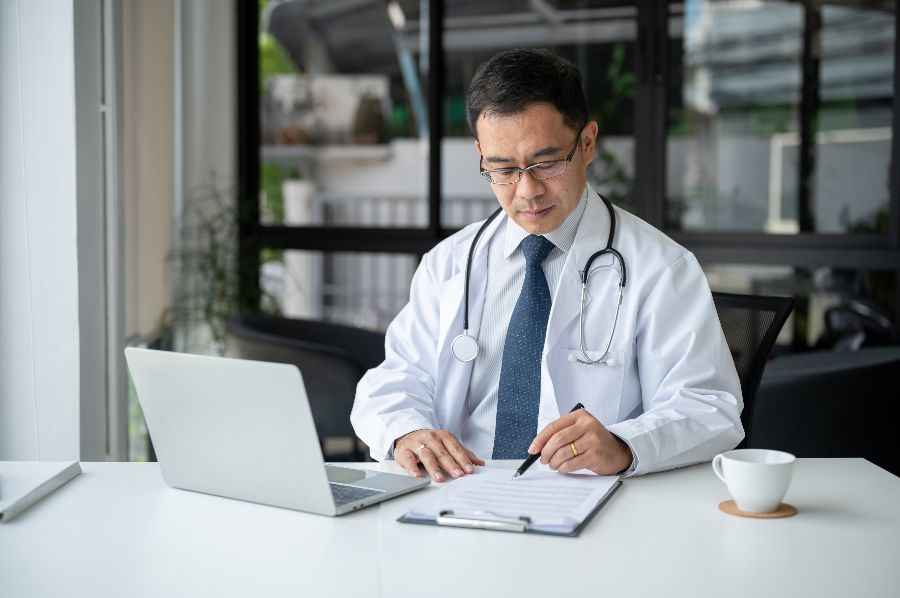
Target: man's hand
{"points": [[436, 450], [597, 448]]}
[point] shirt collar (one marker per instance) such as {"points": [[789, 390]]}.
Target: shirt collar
{"points": [[562, 237]]}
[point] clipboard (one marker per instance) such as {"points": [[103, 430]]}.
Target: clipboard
{"points": [[491, 521]]}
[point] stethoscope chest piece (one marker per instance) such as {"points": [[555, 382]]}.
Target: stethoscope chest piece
{"points": [[464, 347]]}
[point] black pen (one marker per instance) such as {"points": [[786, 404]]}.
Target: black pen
{"points": [[532, 458]]}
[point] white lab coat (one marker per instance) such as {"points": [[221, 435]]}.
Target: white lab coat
{"points": [[674, 396]]}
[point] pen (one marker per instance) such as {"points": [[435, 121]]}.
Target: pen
{"points": [[532, 458]]}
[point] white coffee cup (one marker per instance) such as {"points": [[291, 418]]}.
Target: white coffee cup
{"points": [[757, 479]]}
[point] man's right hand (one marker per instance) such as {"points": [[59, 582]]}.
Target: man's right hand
{"points": [[437, 450]]}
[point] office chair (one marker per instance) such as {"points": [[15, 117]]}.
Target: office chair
{"points": [[751, 324], [331, 358]]}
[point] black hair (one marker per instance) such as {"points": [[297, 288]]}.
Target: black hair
{"points": [[514, 79]]}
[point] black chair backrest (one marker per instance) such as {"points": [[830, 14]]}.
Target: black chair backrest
{"points": [[751, 324], [331, 358]]}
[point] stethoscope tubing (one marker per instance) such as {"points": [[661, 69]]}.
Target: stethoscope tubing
{"points": [[480, 232]]}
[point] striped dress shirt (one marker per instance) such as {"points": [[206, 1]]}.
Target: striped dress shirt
{"points": [[506, 273]]}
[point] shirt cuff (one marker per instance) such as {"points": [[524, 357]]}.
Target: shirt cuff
{"points": [[634, 459]]}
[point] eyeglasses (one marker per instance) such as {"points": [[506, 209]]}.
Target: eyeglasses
{"points": [[541, 171]]}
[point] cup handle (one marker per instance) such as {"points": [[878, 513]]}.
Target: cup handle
{"points": [[717, 467]]}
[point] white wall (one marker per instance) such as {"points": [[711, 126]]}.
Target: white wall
{"points": [[39, 340]]}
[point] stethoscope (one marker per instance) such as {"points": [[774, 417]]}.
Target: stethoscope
{"points": [[465, 348]]}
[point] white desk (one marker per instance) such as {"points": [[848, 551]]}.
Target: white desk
{"points": [[118, 530]]}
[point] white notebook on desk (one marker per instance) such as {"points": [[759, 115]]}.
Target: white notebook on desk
{"points": [[23, 483], [538, 502]]}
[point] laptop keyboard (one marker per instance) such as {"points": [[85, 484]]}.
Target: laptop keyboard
{"points": [[345, 493]]}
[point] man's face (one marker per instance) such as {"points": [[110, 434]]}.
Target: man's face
{"points": [[537, 134]]}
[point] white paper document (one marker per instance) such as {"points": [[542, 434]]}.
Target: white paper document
{"points": [[545, 500]]}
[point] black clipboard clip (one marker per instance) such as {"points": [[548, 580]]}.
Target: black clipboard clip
{"points": [[484, 520]]}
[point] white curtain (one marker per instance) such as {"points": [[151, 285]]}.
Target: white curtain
{"points": [[39, 329]]}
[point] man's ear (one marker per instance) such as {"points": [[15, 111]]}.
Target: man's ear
{"points": [[589, 140], [477, 146]]}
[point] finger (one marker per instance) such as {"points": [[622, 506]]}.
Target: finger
{"points": [[565, 453], [460, 454], [580, 462], [560, 440], [475, 458], [408, 461], [537, 445], [552, 428], [447, 461], [426, 456]]}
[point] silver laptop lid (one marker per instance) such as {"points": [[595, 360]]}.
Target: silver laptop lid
{"points": [[231, 427]]}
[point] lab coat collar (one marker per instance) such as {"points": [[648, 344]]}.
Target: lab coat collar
{"points": [[461, 248]]}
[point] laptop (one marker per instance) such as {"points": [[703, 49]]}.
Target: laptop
{"points": [[243, 429]]}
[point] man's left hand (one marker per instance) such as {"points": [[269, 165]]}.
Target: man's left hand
{"points": [[597, 448]]}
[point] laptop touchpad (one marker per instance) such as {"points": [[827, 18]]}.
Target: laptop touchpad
{"points": [[345, 475]]}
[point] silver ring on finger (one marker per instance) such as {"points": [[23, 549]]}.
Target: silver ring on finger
{"points": [[419, 448]]}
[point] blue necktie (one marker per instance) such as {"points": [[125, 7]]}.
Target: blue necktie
{"points": [[519, 394]]}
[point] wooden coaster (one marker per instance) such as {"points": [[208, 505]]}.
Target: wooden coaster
{"points": [[783, 510]]}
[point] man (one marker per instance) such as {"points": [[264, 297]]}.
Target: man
{"points": [[653, 372]]}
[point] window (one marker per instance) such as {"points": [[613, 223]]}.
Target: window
{"points": [[780, 117], [598, 36], [362, 289], [756, 134], [345, 135]]}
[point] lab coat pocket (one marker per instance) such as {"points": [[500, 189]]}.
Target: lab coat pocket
{"points": [[598, 387]]}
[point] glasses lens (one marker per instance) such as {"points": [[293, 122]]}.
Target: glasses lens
{"points": [[548, 170], [502, 177]]}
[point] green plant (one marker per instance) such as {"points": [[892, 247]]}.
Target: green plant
{"points": [[271, 177], [623, 86], [208, 293], [273, 59], [610, 176], [207, 263], [607, 174]]}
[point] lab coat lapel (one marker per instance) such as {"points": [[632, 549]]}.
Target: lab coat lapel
{"points": [[591, 237], [451, 300], [455, 375]]}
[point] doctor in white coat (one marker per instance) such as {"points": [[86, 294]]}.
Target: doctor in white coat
{"points": [[665, 392]]}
